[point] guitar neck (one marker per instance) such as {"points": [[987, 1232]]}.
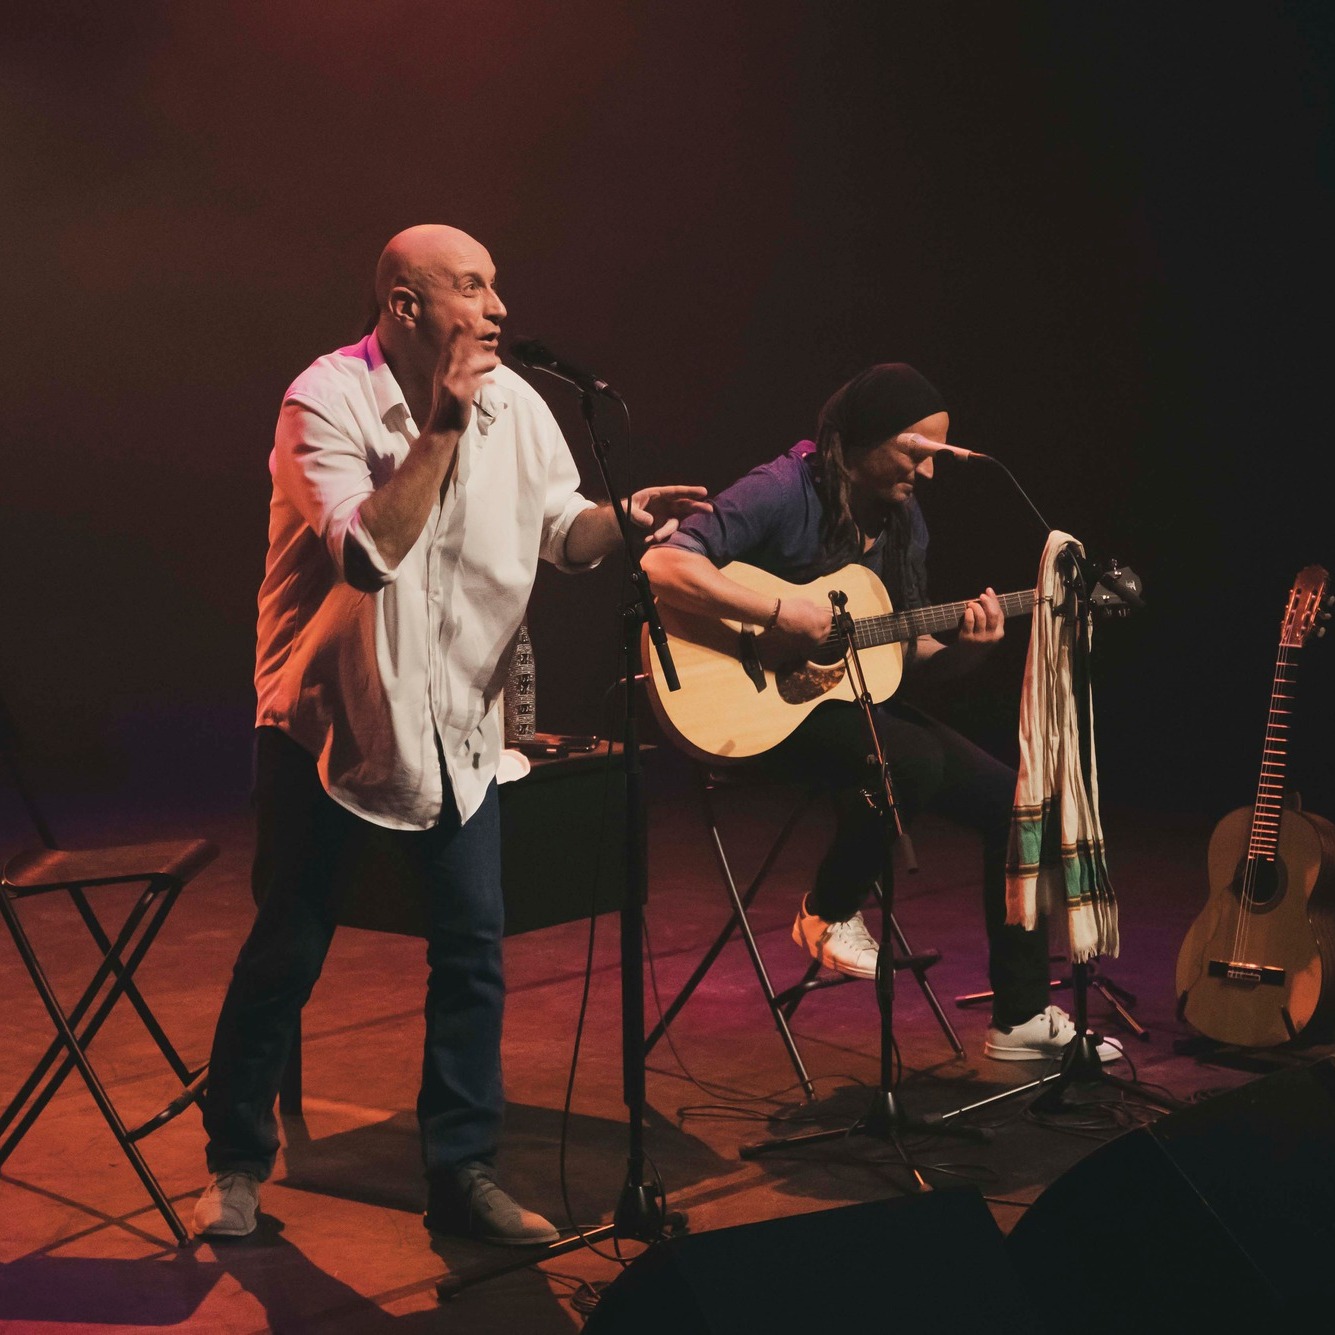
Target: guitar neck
{"points": [[1274, 761], [895, 627]]}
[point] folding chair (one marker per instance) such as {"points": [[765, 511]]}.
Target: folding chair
{"points": [[163, 869], [783, 1004]]}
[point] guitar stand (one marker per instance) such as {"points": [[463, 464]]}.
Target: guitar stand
{"points": [[1119, 998], [886, 1118]]}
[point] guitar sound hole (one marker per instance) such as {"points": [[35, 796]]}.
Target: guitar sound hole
{"points": [[1263, 882], [827, 654]]}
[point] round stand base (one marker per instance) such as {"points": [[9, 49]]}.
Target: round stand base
{"points": [[640, 1213]]}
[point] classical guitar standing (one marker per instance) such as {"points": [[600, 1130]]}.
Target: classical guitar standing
{"points": [[735, 702], [1258, 965]]}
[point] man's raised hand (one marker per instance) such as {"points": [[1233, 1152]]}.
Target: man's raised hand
{"points": [[463, 368], [660, 509]]}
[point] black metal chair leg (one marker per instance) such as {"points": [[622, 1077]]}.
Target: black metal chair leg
{"points": [[131, 992], [924, 983], [780, 1020], [111, 963], [95, 1087], [737, 921], [76, 1014]]}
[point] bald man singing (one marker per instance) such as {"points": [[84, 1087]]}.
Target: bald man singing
{"points": [[416, 483]]}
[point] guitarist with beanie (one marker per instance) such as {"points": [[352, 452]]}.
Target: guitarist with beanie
{"points": [[848, 499]]}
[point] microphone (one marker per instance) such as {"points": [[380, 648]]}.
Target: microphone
{"points": [[533, 353], [917, 442]]}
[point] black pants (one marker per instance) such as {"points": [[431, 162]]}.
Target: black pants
{"points": [[305, 844], [932, 768]]}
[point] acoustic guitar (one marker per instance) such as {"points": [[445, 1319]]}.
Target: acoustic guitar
{"points": [[735, 701], [1256, 968]]}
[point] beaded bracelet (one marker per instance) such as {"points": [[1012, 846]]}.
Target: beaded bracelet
{"points": [[774, 615]]}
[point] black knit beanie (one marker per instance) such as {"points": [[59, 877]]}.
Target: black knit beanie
{"points": [[879, 403]]}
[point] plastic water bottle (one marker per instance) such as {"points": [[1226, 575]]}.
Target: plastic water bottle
{"points": [[520, 693]]}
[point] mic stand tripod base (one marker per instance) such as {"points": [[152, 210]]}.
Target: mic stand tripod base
{"points": [[1080, 1065], [1054, 1086], [640, 1213], [885, 1120], [640, 1217]]}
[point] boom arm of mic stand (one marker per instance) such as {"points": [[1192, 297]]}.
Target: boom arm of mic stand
{"points": [[630, 539], [1015, 482], [1114, 588]]}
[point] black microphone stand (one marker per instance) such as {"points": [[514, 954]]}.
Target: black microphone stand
{"points": [[886, 1118], [641, 1213], [1080, 1061]]}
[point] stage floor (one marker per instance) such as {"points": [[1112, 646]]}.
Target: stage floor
{"points": [[341, 1246]]}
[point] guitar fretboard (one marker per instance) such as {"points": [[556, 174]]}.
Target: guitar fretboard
{"points": [[895, 627], [1274, 755]]}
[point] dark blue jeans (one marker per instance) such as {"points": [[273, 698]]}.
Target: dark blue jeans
{"points": [[305, 845], [932, 768]]}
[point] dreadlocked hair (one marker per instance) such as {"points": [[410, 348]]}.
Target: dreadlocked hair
{"points": [[834, 486]]}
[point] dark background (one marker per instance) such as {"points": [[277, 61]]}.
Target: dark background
{"points": [[1101, 229]]}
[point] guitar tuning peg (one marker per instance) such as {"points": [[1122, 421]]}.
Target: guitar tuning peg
{"points": [[1320, 631]]}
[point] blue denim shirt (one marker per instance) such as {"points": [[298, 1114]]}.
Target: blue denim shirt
{"points": [[771, 518]]}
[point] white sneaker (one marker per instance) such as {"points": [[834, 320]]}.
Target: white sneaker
{"points": [[846, 947], [227, 1207], [1045, 1035]]}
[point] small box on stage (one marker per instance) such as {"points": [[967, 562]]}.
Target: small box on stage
{"points": [[562, 853], [563, 832]]}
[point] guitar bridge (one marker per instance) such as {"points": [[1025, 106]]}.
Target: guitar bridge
{"points": [[1241, 971]]}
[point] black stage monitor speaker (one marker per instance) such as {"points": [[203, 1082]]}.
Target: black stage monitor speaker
{"points": [[933, 1262], [1219, 1218]]}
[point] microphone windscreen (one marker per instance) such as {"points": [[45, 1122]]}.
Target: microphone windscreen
{"points": [[531, 352]]}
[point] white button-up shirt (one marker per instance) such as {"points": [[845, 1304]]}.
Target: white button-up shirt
{"points": [[386, 681]]}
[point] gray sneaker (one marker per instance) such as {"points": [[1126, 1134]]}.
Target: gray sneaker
{"points": [[467, 1203], [227, 1207]]}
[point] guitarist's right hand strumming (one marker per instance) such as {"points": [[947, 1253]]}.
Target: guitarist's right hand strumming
{"points": [[800, 625]]}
